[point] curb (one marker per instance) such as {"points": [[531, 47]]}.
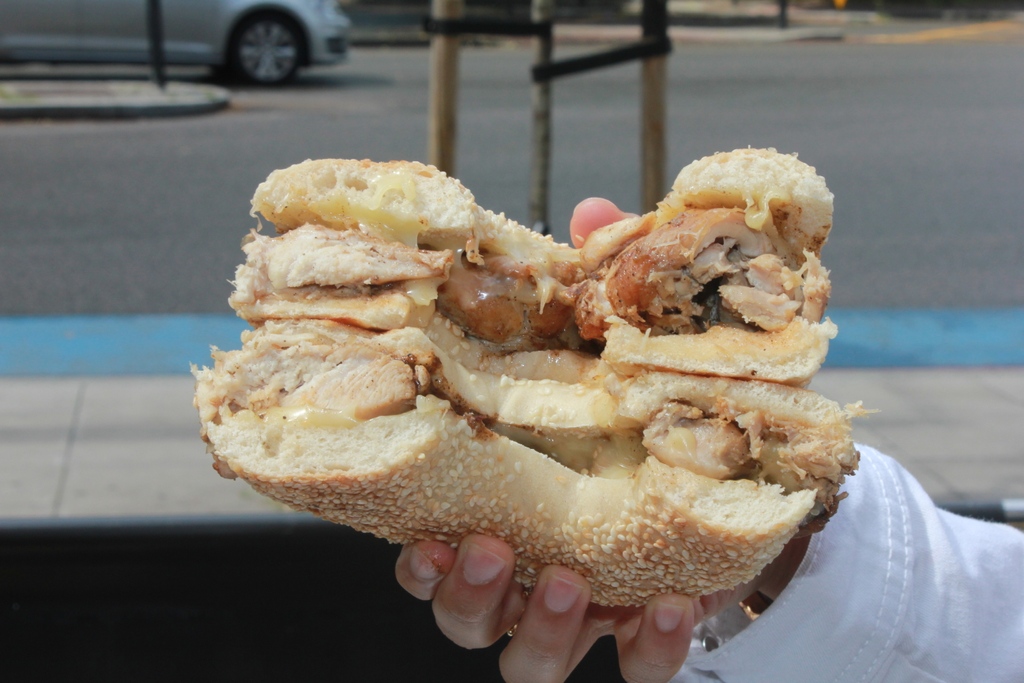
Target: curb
{"points": [[59, 99], [132, 99], [568, 34]]}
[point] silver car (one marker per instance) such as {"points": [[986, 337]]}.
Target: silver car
{"points": [[261, 41]]}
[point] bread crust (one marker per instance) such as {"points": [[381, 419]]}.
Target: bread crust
{"points": [[437, 447], [790, 356], [777, 192]]}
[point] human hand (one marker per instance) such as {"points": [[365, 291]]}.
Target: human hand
{"points": [[476, 601]]}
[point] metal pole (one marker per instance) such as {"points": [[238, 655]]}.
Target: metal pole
{"points": [[155, 29], [783, 14], [652, 126], [540, 177], [444, 89]]}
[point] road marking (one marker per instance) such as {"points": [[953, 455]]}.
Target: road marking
{"points": [[113, 345], [926, 338], [169, 344], [989, 31]]}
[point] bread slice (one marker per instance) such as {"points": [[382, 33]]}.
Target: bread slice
{"points": [[403, 198], [405, 201], [792, 355]]}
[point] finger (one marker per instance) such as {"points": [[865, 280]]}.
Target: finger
{"points": [[591, 214], [661, 641], [477, 601], [421, 566], [550, 638]]}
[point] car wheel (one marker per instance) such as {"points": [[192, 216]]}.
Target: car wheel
{"points": [[266, 49]]}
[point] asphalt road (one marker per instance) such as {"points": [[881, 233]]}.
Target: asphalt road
{"points": [[919, 140]]}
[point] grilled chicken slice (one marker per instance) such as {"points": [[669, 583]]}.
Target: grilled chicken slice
{"points": [[702, 268], [317, 256]]}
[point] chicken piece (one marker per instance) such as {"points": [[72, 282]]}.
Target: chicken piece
{"points": [[702, 268], [680, 436], [769, 274], [499, 302], [634, 279], [345, 262], [714, 262], [767, 311], [817, 289], [591, 308], [314, 255], [652, 282], [364, 385]]}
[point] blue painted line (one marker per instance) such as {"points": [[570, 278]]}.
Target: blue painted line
{"points": [[113, 345], [884, 338], [168, 344]]}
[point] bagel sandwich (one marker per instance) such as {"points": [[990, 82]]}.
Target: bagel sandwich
{"points": [[420, 368]]}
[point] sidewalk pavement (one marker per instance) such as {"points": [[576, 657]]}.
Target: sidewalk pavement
{"points": [[129, 445]]}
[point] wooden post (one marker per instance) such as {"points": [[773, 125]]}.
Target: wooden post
{"points": [[540, 171], [652, 107], [444, 89], [652, 154]]}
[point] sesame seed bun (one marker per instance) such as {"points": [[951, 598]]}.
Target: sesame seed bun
{"points": [[385, 386]]}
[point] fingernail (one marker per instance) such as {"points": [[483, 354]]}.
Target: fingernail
{"points": [[667, 617], [560, 595], [481, 566], [422, 567]]}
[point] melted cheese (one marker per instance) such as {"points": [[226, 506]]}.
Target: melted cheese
{"points": [[615, 456], [396, 181], [310, 417], [423, 292], [547, 286], [524, 247], [678, 449], [544, 403], [389, 223]]}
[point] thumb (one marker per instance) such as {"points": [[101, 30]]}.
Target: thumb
{"points": [[591, 214]]}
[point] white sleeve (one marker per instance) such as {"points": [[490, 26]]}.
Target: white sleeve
{"points": [[893, 589]]}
